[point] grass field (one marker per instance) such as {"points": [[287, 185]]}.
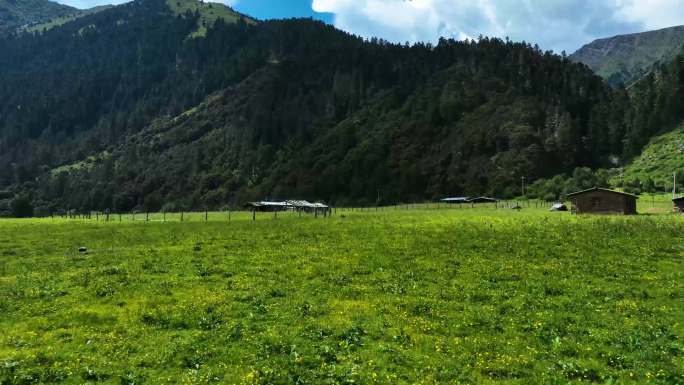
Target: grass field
{"points": [[417, 296]]}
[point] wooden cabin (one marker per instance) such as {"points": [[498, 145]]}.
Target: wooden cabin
{"points": [[603, 201], [678, 204]]}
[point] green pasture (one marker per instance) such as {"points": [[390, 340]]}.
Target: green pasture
{"points": [[402, 295]]}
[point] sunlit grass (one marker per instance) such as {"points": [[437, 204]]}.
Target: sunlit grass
{"points": [[393, 295], [209, 12]]}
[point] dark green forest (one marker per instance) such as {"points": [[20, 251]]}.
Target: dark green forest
{"points": [[124, 110]]}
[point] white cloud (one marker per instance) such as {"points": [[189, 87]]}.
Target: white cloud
{"points": [[654, 14], [553, 24]]}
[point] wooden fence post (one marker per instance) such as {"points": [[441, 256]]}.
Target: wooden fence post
{"points": [[181, 216], [254, 214]]}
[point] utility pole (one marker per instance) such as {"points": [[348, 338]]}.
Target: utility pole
{"points": [[523, 186]]}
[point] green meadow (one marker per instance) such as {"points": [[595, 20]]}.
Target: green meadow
{"points": [[412, 295]]}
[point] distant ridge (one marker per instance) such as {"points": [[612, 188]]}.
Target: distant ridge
{"points": [[624, 59], [20, 14]]}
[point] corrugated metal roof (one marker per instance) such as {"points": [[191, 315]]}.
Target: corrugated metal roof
{"points": [[289, 203], [604, 190], [482, 199], [455, 199]]}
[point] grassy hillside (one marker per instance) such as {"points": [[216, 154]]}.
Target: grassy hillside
{"points": [[471, 297], [663, 156], [625, 59], [209, 13], [58, 21], [24, 14]]}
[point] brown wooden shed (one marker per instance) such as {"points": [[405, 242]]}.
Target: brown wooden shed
{"points": [[678, 204], [603, 201]]}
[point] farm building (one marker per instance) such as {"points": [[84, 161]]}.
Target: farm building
{"points": [[678, 204], [461, 200], [267, 206], [289, 205], [603, 201], [455, 200], [300, 205], [482, 200]]}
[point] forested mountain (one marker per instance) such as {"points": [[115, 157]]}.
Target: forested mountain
{"points": [[154, 104], [17, 14], [624, 59], [657, 104]]}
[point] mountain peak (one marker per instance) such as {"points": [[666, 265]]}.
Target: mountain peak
{"points": [[624, 59]]}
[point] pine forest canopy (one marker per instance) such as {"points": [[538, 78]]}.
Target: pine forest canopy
{"points": [[156, 103]]}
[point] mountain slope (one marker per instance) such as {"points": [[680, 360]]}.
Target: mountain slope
{"points": [[321, 114], [207, 13], [18, 14], [58, 21], [624, 59], [657, 104], [663, 156], [131, 113]]}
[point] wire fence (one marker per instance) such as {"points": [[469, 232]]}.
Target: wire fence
{"points": [[239, 215], [647, 204]]}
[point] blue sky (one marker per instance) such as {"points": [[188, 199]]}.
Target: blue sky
{"points": [[261, 9], [553, 24], [270, 9]]}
